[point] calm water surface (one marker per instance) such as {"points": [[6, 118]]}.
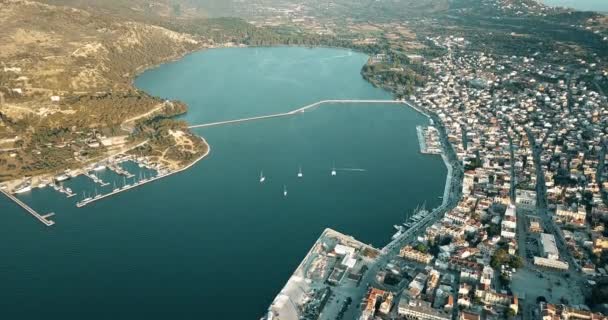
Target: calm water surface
{"points": [[214, 243]]}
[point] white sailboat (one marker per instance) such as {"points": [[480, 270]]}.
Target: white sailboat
{"points": [[300, 175], [284, 191], [333, 170], [262, 178]]}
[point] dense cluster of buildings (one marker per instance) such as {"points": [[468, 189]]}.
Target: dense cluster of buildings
{"points": [[531, 136]]}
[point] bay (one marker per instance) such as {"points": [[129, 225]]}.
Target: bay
{"points": [[212, 242]]}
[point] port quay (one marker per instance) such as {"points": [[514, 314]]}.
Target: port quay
{"points": [[451, 195]]}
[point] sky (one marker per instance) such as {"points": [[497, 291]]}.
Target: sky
{"points": [[595, 5]]}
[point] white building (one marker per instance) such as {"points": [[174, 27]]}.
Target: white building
{"points": [[419, 309], [525, 199], [549, 248]]}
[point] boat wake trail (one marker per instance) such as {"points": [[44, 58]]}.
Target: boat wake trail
{"points": [[351, 169]]}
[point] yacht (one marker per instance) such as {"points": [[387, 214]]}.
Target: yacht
{"points": [[262, 178], [284, 191], [397, 234], [62, 177], [300, 173], [24, 188]]}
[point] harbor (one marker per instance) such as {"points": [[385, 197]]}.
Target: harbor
{"points": [[91, 173], [166, 232]]}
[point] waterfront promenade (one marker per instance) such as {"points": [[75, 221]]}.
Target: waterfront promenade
{"points": [[293, 112]]}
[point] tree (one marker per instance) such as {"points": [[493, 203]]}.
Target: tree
{"points": [[422, 248], [516, 262], [499, 258], [511, 313]]}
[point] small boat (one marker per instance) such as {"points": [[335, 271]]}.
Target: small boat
{"points": [[99, 167], [24, 189], [284, 191], [397, 234], [62, 177], [300, 173], [262, 178], [333, 171]]}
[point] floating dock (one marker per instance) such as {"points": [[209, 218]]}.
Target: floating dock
{"points": [[95, 179], [42, 218]]}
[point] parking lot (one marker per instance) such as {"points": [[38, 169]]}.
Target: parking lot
{"points": [[554, 286]]}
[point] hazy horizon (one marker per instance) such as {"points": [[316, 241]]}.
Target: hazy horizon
{"points": [[593, 5]]}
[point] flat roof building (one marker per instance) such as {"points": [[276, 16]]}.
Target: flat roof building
{"points": [[548, 246], [550, 263], [419, 309]]}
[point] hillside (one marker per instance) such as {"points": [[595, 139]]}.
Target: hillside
{"points": [[65, 84]]}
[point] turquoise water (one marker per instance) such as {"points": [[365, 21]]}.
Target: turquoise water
{"points": [[214, 243]]}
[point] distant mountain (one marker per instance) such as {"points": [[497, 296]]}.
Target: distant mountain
{"points": [[586, 5]]}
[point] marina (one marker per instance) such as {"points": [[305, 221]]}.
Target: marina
{"points": [[142, 181]]}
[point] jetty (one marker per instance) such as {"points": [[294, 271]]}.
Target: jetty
{"points": [[95, 179], [115, 167], [42, 218], [421, 139], [294, 112]]}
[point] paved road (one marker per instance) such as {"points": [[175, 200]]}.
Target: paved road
{"points": [[392, 249]]}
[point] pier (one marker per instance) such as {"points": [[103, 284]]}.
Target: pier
{"points": [[95, 179], [120, 171], [42, 218], [68, 192], [421, 139], [293, 112]]}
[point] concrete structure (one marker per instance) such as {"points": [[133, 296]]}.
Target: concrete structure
{"points": [[410, 253], [575, 216], [525, 199], [549, 311], [422, 310], [550, 263], [549, 248], [508, 226]]}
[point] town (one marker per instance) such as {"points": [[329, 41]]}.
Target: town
{"points": [[526, 238]]}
